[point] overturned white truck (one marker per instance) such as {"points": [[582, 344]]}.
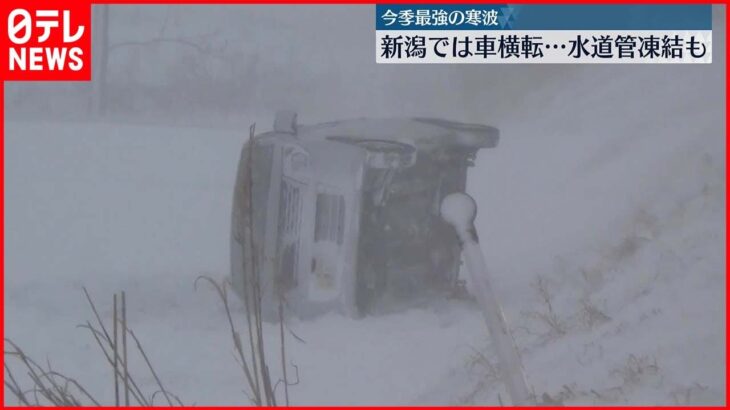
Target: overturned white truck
{"points": [[345, 215]]}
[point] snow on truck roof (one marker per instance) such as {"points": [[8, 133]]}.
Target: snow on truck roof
{"points": [[424, 133]]}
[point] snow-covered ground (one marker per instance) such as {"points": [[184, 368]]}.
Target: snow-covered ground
{"points": [[602, 214], [93, 205]]}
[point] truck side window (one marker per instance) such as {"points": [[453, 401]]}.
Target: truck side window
{"points": [[329, 224]]}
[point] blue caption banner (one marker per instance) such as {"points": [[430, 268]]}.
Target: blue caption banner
{"points": [[543, 17]]}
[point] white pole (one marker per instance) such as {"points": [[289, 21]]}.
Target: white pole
{"points": [[459, 210]]}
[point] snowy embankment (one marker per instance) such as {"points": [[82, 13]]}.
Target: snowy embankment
{"points": [[602, 218], [605, 224]]}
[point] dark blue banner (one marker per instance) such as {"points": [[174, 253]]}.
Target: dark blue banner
{"points": [[543, 17]]}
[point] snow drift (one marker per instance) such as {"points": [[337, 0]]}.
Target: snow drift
{"points": [[602, 216]]}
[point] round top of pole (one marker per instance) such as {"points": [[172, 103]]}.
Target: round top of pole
{"points": [[459, 209]]}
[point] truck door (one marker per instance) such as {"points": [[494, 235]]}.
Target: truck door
{"points": [[328, 247], [333, 223]]}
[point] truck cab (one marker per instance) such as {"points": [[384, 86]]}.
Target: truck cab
{"points": [[344, 215]]}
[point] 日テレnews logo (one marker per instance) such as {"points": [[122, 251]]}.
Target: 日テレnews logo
{"points": [[46, 41]]}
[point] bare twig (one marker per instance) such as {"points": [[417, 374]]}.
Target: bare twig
{"points": [[116, 355], [257, 349], [135, 390], [96, 314], [124, 350], [555, 324], [149, 364], [71, 381], [50, 390], [13, 386], [283, 350], [104, 334], [174, 397], [49, 387], [294, 383], [220, 289]]}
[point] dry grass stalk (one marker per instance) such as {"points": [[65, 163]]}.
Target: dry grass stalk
{"points": [[253, 361], [49, 387]]}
